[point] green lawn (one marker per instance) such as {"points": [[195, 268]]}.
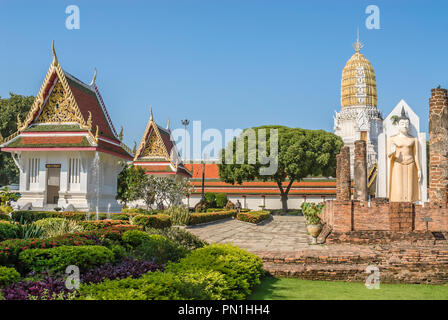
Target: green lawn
{"points": [[295, 289]]}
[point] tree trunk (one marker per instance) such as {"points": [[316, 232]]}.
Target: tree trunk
{"points": [[284, 198]]}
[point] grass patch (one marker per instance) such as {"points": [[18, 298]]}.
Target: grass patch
{"points": [[272, 288]]}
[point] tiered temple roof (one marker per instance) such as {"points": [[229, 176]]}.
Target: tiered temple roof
{"points": [[67, 114], [157, 154]]}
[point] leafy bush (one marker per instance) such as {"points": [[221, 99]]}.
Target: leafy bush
{"points": [[49, 288], [253, 216], [126, 268], [241, 269], [8, 231], [6, 210], [210, 199], [53, 227], [28, 230], [311, 211], [159, 249], [135, 237], [154, 221], [4, 217], [182, 237], [8, 276], [201, 285], [179, 215], [221, 200], [57, 259], [196, 218]]}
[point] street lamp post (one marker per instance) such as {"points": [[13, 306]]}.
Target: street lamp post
{"points": [[203, 179], [185, 123]]}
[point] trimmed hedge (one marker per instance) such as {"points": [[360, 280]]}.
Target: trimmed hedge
{"points": [[57, 259], [253, 216], [196, 218], [32, 216], [158, 221], [221, 200], [135, 237], [10, 249]]}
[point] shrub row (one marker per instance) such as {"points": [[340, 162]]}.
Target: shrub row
{"points": [[196, 218], [32, 216], [10, 249], [253, 216], [158, 221]]}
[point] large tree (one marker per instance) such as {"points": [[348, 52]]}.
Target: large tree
{"points": [[10, 108], [301, 153], [131, 182]]}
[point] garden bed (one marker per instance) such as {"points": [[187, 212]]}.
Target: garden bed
{"points": [[119, 260], [200, 218], [255, 217]]}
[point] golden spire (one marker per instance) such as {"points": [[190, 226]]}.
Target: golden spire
{"points": [[150, 110], [168, 124], [358, 45], [55, 58], [94, 78]]}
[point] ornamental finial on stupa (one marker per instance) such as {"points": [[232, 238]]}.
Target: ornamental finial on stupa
{"points": [[150, 110], [358, 45]]}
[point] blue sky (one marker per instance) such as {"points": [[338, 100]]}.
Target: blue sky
{"points": [[230, 64]]}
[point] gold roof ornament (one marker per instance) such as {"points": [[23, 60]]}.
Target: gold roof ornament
{"points": [[55, 58], [94, 78], [89, 121], [168, 124], [120, 136], [358, 85], [150, 110], [96, 134]]}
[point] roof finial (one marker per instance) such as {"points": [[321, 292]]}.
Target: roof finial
{"points": [[55, 58], [358, 45], [168, 124], [94, 78], [150, 110]]}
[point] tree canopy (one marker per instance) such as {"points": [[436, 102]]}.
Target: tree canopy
{"points": [[10, 108], [301, 153]]}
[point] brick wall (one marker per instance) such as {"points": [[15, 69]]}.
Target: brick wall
{"points": [[347, 216]]}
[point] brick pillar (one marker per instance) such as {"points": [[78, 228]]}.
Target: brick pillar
{"points": [[343, 174], [360, 171], [438, 146]]}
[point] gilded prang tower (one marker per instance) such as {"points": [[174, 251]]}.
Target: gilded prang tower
{"points": [[359, 118]]}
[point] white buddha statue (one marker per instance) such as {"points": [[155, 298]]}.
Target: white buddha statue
{"points": [[405, 173]]}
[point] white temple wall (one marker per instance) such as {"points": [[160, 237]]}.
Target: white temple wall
{"points": [[76, 184]]}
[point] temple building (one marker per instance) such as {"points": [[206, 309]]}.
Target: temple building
{"points": [[67, 150], [157, 153], [359, 118], [256, 194]]}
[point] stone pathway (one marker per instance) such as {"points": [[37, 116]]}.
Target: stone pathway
{"points": [[283, 233]]}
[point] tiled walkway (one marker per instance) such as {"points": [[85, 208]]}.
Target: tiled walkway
{"points": [[283, 233]]}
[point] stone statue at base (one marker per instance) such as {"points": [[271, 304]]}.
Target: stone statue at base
{"points": [[405, 173]]}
